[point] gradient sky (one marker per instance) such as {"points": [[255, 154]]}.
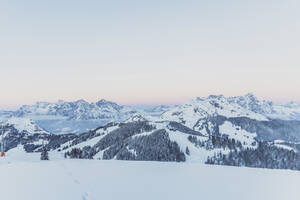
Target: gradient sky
{"points": [[148, 52]]}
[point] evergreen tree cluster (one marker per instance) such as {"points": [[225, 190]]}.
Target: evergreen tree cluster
{"points": [[86, 152], [264, 156], [122, 133], [154, 147], [216, 142]]}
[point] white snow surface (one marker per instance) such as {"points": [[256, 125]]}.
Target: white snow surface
{"points": [[284, 145], [25, 177], [91, 142], [237, 133], [197, 154]]}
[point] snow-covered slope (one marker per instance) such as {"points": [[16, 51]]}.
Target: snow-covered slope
{"points": [[24, 133], [58, 179], [139, 139], [213, 141]]}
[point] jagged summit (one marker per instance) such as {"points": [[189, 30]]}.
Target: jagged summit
{"points": [[237, 106], [81, 115], [105, 103], [247, 105], [213, 105], [77, 110], [136, 117], [81, 101], [210, 130]]}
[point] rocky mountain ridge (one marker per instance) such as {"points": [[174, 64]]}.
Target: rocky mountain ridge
{"points": [[240, 141]]}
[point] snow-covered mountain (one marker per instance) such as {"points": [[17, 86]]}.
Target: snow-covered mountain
{"points": [[81, 116], [151, 110], [214, 105], [4, 115], [24, 125], [141, 139], [24, 132], [217, 140], [240, 106], [247, 106], [289, 111], [77, 110], [74, 117]]}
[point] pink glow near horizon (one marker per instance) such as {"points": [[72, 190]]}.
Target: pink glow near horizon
{"points": [[140, 102]]}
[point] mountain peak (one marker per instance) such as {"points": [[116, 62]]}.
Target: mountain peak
{"points": [[250, 95], [136, 117], [25, 124], [82, 101], [103, 101], [220, 96]]}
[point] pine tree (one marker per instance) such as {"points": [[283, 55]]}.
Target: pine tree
{"points": [[44, 154], [187, 151]]}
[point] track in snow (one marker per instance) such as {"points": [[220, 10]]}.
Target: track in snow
{"points": [[114, 180]]}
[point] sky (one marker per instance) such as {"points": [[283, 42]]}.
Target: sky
{"points": [[148, 52]]}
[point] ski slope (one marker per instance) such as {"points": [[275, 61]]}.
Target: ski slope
{"points": [[25, 177]]}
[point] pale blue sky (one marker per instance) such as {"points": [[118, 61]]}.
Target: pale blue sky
{"points": [[148, 52]]}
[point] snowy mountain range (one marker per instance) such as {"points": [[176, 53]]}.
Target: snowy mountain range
{"points": [[240, 106], [80, 116], [221, 140], [77, 110], [240, 131], [73, 117], [247, 105]]}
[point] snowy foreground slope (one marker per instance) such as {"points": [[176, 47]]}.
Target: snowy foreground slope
{"points": [[24, 177]]}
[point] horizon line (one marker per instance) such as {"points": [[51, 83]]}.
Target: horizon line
{"points": [[9, 107]]}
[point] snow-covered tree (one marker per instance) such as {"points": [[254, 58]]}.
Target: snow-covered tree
{"points": [[44, 154]]}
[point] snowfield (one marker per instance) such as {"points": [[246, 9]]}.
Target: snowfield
{"points": [[25, 177]]}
